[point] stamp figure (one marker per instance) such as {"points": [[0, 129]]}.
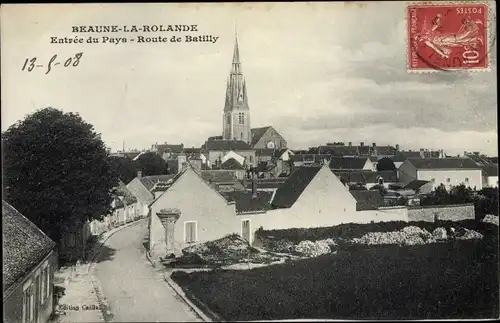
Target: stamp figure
{"points": [[447, 37]]}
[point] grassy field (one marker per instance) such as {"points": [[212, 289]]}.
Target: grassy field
{"points": [[449, 280]]}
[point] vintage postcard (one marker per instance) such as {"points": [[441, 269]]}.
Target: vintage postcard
{"points": [[191, 162]]}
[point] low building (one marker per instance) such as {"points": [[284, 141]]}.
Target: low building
{"points": [[351, 163], [218, 148], [447, 171], [141, 188], [419, 187], [29, 262], [490, 175]]}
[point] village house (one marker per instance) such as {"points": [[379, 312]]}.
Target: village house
{"points": [[310, 197], [29, 262], [351, 163], [218, 148], [142, 187], [419, 187], [300, 159], [490, 175], [447, 171]]}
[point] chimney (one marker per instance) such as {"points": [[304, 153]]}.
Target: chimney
{"points": [[254, 186], [362, 144], [139, 173], [374, 145], [397, 147], [350, 143]]}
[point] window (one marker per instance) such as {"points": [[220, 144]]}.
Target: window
{"points": [[190, 232], [241, 118], [28, 303], [47, 281], [466, 179], [43, 285], [448, 180]]}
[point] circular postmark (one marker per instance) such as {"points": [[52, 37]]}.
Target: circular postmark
{"points": [[451, 37]]}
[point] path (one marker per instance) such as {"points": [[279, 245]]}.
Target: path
{"points": [[135, 291]]}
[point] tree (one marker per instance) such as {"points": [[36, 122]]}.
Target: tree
{"points": [[152, 164], [380, 188], [56, 170], [123, 168], [385, 164]]}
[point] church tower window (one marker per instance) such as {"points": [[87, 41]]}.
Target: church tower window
{"points": [[241, 118]]}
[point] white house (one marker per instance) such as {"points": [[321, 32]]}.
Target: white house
{"points": [[447, 171]]}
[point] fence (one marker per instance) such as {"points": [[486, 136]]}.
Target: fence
{"points": [[442, 213]]}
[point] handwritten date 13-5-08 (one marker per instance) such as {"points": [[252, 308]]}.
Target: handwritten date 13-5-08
{"points": [[32, 63]]}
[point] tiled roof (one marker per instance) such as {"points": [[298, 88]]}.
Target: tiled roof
{"points": [[347, 162], [218, 176], [192, 151], [293, 187], [364, 150], [389, 176], [339, 150], [443, 163], [385, 150], [401, 156], [267, 183], [232, 164], [279, 152], [246, 203], [490, 170], [415, 184], [150, 181], [264, 167], [366, 200], [351, 177], [132, 155], [257, 134], [226, 145], [265, 152], [24, 245], [316, 158]]}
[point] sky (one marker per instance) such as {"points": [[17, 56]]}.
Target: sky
{"points": [[317, 72]]}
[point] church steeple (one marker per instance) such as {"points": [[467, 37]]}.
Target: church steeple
{"points": [[236, 120]]}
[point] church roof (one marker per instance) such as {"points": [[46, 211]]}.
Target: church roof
{"points": [[226, 145], [257, 134]]}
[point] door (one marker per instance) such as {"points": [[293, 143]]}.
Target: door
{"points": [[245, 230]]}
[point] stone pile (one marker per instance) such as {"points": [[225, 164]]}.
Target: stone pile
{"points": [[491, 219], [314, 249], [470, 234]]}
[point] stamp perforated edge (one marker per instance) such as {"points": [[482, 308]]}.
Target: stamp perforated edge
{"points": [[490, 15]]}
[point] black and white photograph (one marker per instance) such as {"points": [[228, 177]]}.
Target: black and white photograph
{"points": [[249, 161]]}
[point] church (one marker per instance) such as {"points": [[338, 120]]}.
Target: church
{"points": [[236, 125]]}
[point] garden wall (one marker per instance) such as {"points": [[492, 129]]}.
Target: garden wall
{"points": [[442, 213]]}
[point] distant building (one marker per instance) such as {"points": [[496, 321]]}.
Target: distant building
{"points": [[29, 262], [447, 171], [490, 175]]}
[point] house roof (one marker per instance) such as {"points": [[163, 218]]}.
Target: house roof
{"points": [[279, 152], [389, 176], [218, 176], [415, 184], [366, 200], [347, 162], [231, 164], [385, 150], [257, 134], [24, 245], [122, 190], [443, 163], [265, 152], [316, 158], [490, 170], [296, 183], [351, 177], [266, 183], [192, 150], [264, 167], [401, 156], [245, 202], [226, 145], [364, 150], [132, 154], [339, 150], [150, 181]]}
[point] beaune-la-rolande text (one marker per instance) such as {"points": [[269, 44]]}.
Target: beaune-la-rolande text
{"points": [[133, 28]]}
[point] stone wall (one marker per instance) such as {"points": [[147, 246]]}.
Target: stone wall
{"points": [[442, 213]]}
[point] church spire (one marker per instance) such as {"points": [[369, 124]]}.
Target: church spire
{"points": [[236, 56]]}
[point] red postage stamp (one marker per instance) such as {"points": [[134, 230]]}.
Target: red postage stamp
{"points": [[447, 36]]}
